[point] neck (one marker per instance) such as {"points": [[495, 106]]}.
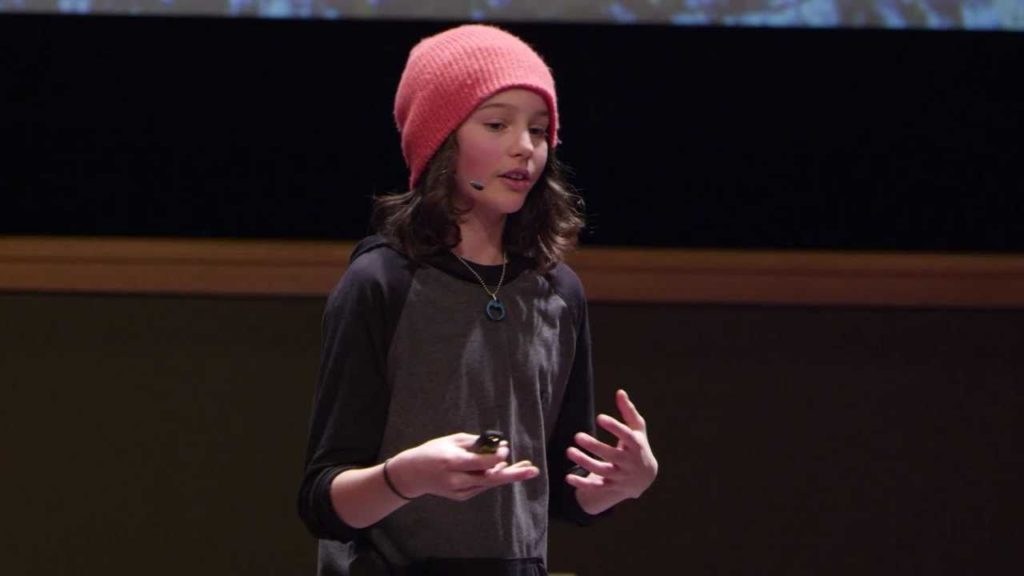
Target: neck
{"points": [[481, 242]]}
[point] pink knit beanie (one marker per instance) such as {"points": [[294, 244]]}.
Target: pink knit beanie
{"points": [[449, 74]]}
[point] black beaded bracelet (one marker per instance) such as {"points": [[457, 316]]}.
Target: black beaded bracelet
{"points": [[387, 480]]}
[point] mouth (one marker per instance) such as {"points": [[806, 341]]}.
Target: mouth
{"points": [[518, 175]]}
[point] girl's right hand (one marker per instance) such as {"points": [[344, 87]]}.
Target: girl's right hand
{"points": [[446, 467]]}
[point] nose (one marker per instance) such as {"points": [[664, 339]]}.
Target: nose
{"points": [[523, 144]]}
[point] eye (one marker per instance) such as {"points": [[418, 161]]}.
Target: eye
{"points": [[539, 131], [495, 126]]}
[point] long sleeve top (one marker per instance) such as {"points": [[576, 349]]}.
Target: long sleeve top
{"points": [[408, 355]]}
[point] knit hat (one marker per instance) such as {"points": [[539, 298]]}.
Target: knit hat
{"points": [[449, 74]]}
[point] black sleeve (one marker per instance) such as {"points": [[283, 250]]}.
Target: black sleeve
{"points": [[577, 411], [351, 400]]}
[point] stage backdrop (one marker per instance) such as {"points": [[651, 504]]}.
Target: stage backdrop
{"points": [[681, 136], [973, 14]]}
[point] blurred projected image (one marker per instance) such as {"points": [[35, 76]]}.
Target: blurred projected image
{"points": [[968, 14]]}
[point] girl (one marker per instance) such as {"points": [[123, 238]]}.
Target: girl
{"points": [[461, 317]]}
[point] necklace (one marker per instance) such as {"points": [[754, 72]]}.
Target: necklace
{"points": [[494, 310]]}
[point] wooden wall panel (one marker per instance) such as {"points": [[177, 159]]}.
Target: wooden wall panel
{"points": [[305, 268]]}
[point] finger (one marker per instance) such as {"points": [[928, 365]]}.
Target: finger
{"points": [[521, 464], [463, 440], [463, 495], [464, 482], [496, 468], [619, 430], [461, 443], [598, 448], [490, 471], [520, 468], [589, 464], [590, 481], [473, 462], [502, 452], [502, 473], [629, 412], [517, 472]]}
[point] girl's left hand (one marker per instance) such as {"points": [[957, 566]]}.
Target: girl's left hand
{"points": [[619, 472]]}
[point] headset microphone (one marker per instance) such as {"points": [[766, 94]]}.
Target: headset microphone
{"points": [[477, 185]]}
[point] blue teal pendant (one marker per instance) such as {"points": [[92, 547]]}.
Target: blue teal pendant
{"points": [[495, 310]]}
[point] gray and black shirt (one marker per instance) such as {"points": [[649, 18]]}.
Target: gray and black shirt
{"points": [[409, 355]]}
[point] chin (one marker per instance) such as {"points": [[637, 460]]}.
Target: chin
{"points": [[513, 208], [506, 204]]}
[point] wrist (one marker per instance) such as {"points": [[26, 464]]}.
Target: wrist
{"points": [[595, 502], [397, 476]]}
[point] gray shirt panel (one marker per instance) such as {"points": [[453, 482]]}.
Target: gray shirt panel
{"points": [[451, 369]]}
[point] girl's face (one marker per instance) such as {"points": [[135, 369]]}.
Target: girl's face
{"points": [[502, 145]]}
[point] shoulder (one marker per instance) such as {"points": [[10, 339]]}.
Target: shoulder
{"points": [[568, 286], [375, 259], [376, 271]]}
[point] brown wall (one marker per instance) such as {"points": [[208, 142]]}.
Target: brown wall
{"points": [[164, 435]]}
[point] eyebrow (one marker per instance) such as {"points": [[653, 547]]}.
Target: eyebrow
{"points": [[543, 113]]}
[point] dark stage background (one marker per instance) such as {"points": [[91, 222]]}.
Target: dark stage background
{"points": [[164, 435], [841, 139]]}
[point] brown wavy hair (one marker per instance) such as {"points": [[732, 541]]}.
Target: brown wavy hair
{"points": [[425, 220]]}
